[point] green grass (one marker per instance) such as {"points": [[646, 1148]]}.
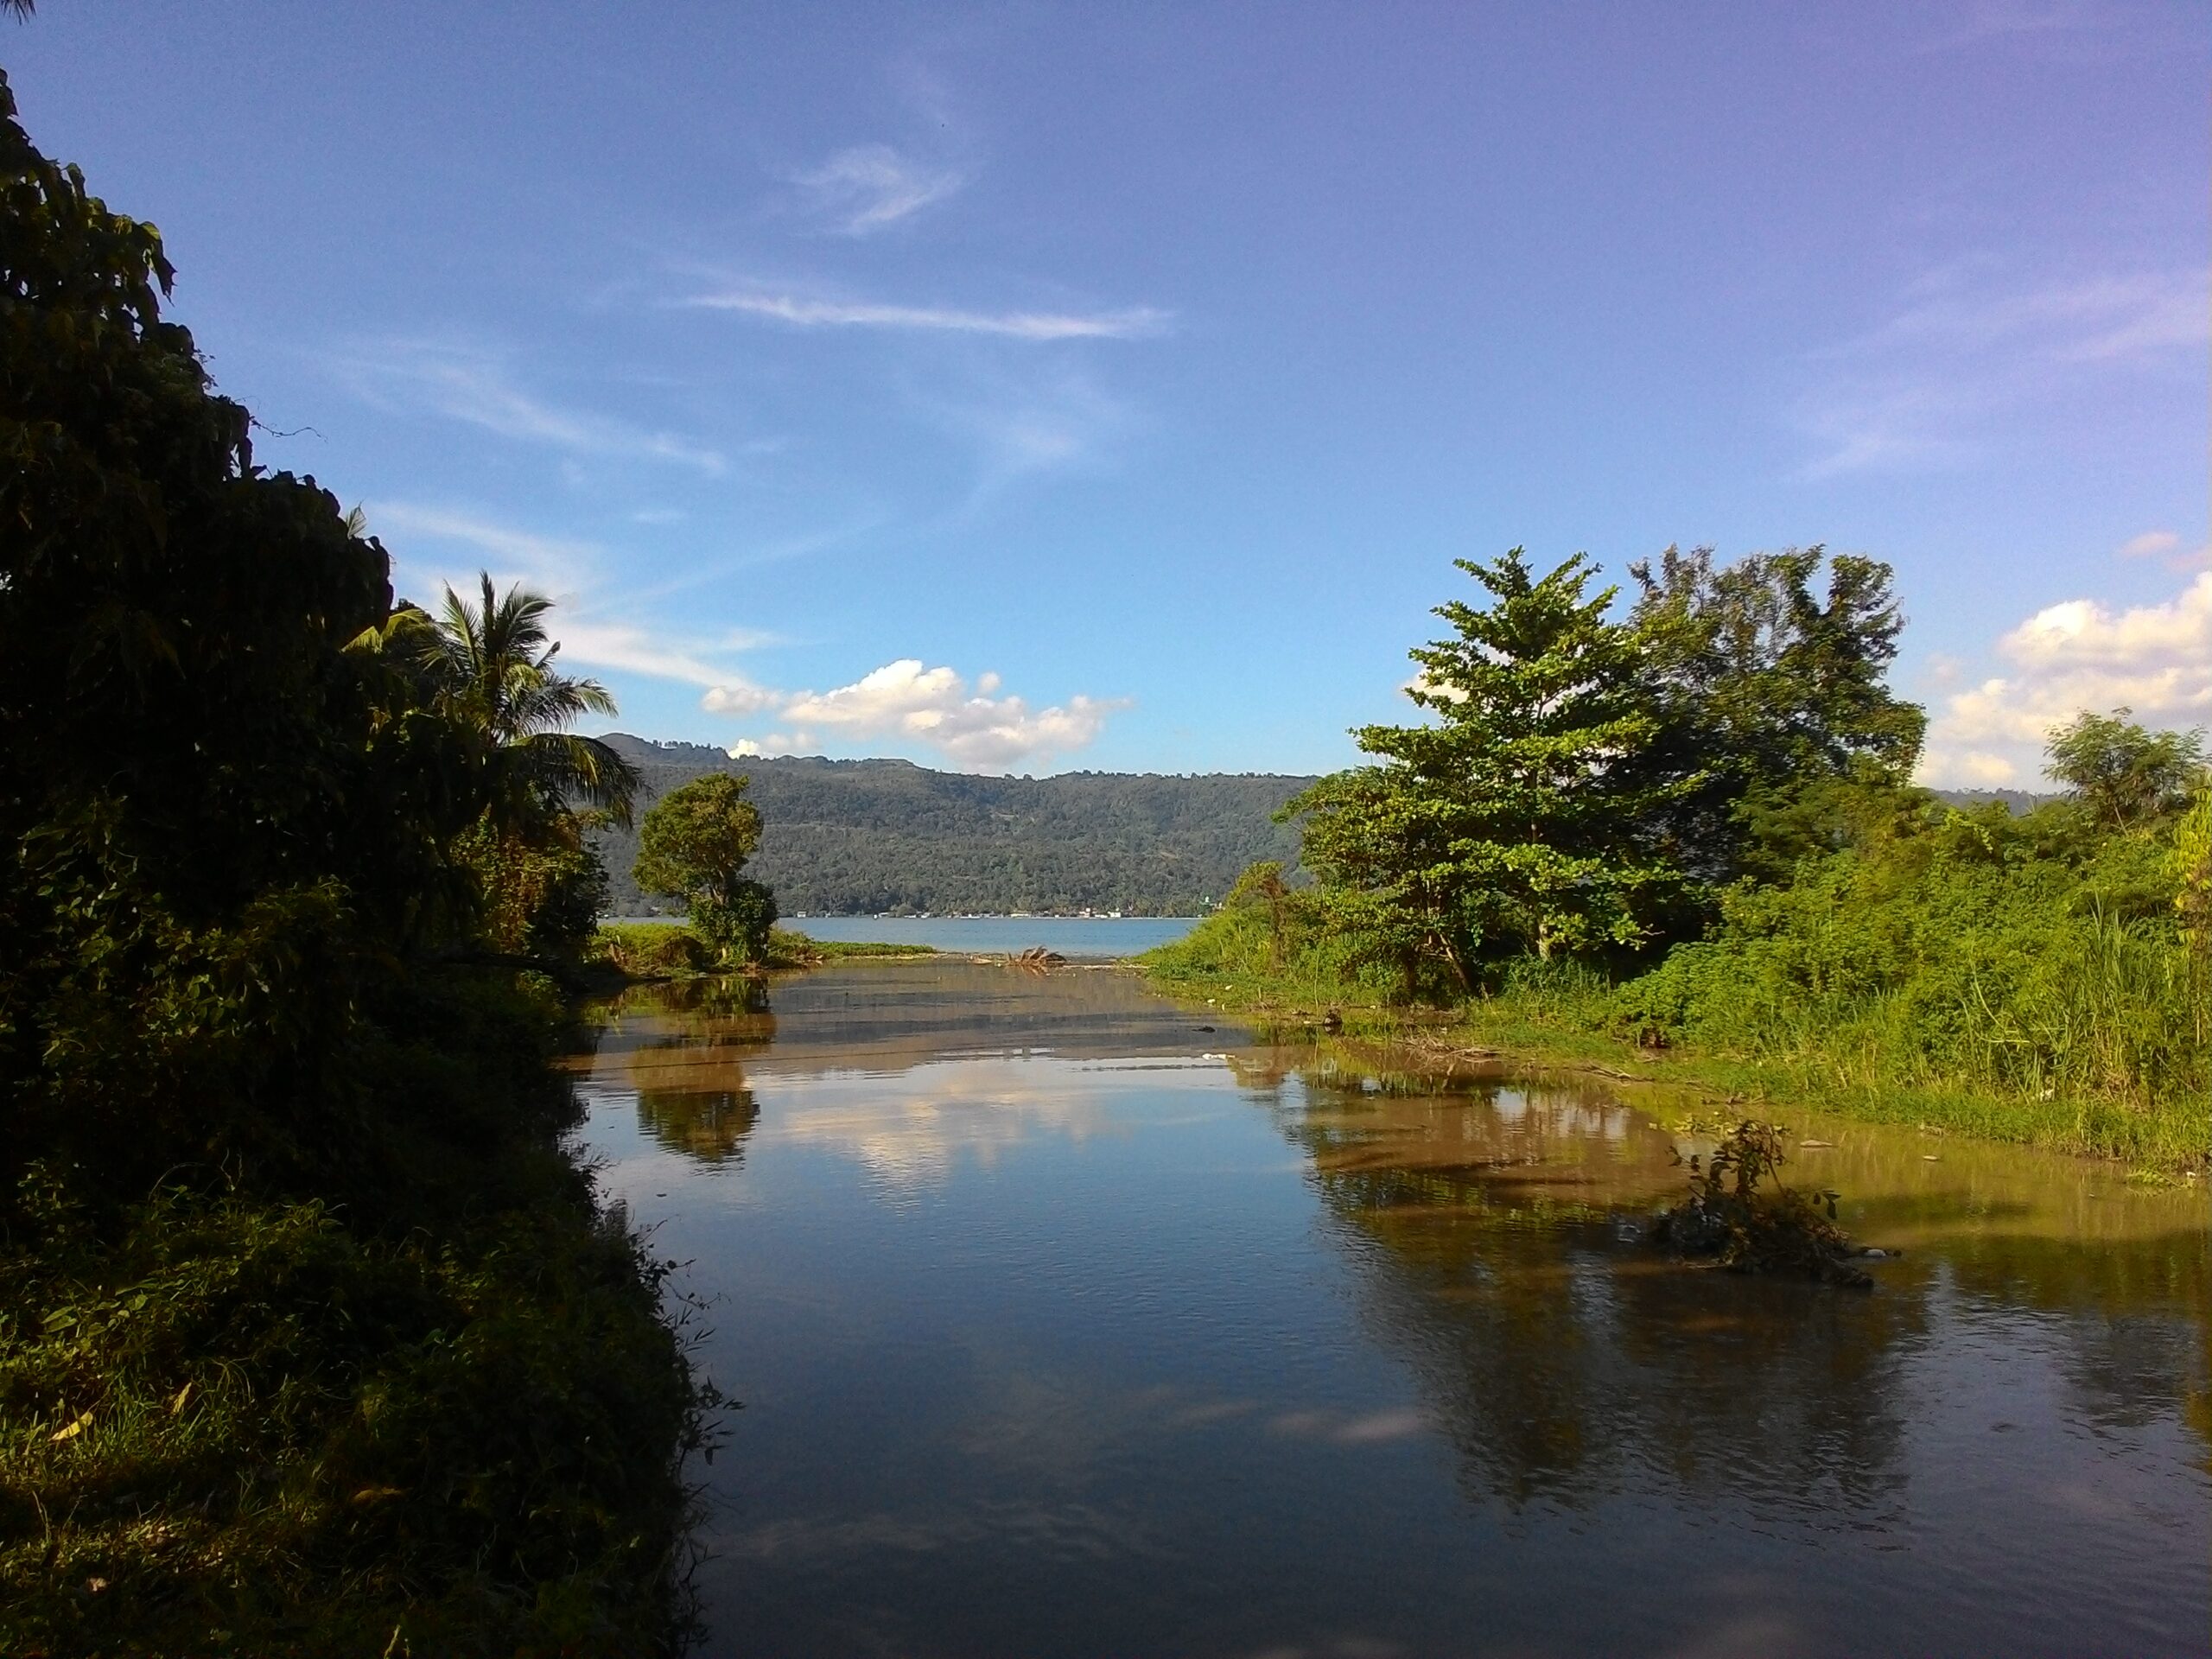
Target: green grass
{"points": [[787, 948], [2010, 1023], [672, 950]]}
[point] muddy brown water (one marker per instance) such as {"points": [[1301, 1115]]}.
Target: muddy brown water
{"points": [[1063, 1325]]}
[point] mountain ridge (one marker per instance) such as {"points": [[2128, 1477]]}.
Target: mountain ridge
{"points": [[884, 835]]}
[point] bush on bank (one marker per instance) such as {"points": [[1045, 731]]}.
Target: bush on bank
{"points": [[2031, 978]]}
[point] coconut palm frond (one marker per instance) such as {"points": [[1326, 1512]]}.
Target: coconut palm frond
{"points": [[496, 667], [563, 766]]}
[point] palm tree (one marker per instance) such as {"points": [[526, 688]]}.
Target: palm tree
{"points": [[494, 666]]}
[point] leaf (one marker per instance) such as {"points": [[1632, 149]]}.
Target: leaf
{"points": [[182, 1395], [70, 1431]]}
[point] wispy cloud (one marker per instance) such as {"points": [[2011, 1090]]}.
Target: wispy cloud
{"points": [[2150, 544], [1993, 20], [474, 386], [2154, 660], [870, 187], [1024, 419], [804, 313], [2169, 548], [1924, 388], [569, 572], [511, 555]]}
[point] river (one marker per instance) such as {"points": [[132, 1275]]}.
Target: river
{"points": [[1067, 1321]]}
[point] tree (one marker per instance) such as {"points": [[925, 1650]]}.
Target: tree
{"points": [[1261, 885], [692, 847], [490, 668], [493, 665], [1780, 694], [1529, 816], [2124, 775]]}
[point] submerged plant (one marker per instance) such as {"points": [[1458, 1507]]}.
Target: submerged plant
{"points": [[1739, 1212]]}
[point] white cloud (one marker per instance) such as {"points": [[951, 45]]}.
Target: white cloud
{"points": [[979, 730], [727, 697], [2153, 659], [771, 743], [2166, 545], [804, 313], [933, 707], [872, 186], [1923, 388], [472, 386]]}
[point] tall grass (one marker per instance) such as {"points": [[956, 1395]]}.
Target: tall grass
{"points": [[2025, 980]]}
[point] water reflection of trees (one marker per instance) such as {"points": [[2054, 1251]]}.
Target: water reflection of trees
{"points": [[685, 1053], [1567, 1363]]}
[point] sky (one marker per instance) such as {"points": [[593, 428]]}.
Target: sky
{"points": [[1029, 388]]}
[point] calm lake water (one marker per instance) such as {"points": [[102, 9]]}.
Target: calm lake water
{"points": [[1071, 936], [1066, 1325]]}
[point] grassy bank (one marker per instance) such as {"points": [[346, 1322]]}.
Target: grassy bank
{"points": [[2019, 980], [672, 950]]}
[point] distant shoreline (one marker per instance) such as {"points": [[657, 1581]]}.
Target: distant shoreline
{"points": [[917, 916]]}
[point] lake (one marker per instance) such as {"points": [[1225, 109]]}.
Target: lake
{"points": [[1071, 936], [1067, 1321]]}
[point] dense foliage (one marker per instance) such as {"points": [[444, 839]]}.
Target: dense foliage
{"points": [[1529, 814], [2041, 973], [692, 849], [862, 837], [315, 1341]]}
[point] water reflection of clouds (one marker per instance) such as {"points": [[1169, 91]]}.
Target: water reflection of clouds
{"points": [[977, 1109], [1370, 1428]]}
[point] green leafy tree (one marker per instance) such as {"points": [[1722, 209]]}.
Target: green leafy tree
{"points": [[1261, 886], [1529, 816], [2122, 774], [692, 847], [1780, 694]]}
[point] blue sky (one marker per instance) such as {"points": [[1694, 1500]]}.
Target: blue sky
{"points": [[1027, 388]]}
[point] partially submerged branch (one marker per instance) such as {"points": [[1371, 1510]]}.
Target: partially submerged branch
{"points": [[1728, 1217]]}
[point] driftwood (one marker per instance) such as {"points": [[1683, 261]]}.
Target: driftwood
{"points": [[1036, 957]]}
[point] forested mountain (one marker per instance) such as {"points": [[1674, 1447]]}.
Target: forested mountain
{"points": [[858, 837]]}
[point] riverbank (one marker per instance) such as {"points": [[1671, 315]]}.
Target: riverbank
{"points": [[431, 1404], [649, 951], [1582, 1030]]}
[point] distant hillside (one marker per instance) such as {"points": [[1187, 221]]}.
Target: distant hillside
{"points": [[2018, 801], [860, 838]]}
